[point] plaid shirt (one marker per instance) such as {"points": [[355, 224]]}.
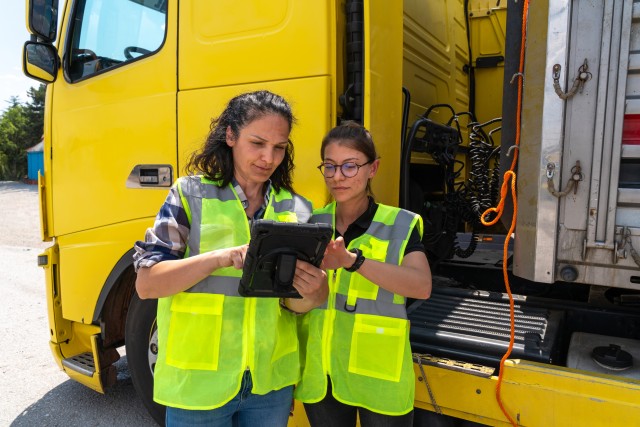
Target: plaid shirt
{"points": [[167, 239]]}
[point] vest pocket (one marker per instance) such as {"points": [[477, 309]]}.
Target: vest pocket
{"points": [[193, 340], [362, 287], [377, 346], [286, 337]]}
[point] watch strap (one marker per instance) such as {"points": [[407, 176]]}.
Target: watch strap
{"points": [[358, 262]]}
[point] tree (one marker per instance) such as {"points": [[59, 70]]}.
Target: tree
{"points": [[34, 111], [21, 127], [12, 145]]}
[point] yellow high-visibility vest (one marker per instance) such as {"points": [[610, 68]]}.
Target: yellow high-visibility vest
{"points": [[209, 335], [360, 338]]}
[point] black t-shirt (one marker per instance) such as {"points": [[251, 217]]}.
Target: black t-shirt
{"points": [[360, 226]]}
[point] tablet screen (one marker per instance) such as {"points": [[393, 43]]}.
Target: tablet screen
{"points": [[274, 248]]}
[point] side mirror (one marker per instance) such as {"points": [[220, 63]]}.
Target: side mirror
{"points": [[42, 19], [40, 61]]}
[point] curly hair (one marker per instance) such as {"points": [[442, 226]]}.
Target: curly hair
{"points": [[214, 159]]}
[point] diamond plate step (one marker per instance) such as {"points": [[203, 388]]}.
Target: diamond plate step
{"points": [[81, 363]]}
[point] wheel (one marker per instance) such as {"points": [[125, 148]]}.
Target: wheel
{"points": [[141, 336]]}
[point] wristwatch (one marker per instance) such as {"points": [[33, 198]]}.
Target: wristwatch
{"points": [[358, 262]]}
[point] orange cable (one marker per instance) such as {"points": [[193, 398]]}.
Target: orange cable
{"points": [[500, 209], [503, 194]]}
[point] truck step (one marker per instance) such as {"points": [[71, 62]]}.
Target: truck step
{"points": [[474, 327], [82, 363]]}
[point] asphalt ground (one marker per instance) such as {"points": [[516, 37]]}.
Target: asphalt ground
{"points": [[33, 389], [19, 216]]}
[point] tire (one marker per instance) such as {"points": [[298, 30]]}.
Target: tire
{"points": [[141, 343]]}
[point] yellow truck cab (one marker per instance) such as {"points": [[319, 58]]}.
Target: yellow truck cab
{"points": [[452, 91]]}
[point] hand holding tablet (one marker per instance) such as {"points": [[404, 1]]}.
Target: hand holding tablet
{"points": [[275, 247]]}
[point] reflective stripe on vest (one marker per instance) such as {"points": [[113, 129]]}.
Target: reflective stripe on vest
{"points": [[377, 370], [208, 335], [367, 306], [389, 224], [282, 206], [217, 285], [194, 191], [289, 204]]}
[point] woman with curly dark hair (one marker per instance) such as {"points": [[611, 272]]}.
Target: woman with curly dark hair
{"points": [[224, 359]]}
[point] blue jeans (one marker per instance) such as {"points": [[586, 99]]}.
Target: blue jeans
{"points": [[244, 410]]}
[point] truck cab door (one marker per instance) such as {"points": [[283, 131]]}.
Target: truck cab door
{"points": [[111, 151], [112, 114]]}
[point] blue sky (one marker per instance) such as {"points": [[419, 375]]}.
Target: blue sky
{"points": [[13, 33]]}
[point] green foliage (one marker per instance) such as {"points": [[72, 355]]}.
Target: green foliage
{"points": [[34, 111], [21, 127]]}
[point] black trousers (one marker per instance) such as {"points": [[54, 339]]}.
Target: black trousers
{"points": [[330, 412]]}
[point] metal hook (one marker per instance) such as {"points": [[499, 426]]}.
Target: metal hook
{"points": [[516, 75]]}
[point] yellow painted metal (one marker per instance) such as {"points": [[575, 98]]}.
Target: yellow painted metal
{"points": [[136, 105], [535, 395], [87, 258], [94, 216], [57, 355], [42, 205], [298, 417], [44, 190], [487, 24], [257, 42], [435, 52], [67, 338], [255, 54], [94, 381], [69, 290], [422, 158], [81, 339], [59, 328], [197, 107], [337, 56], [383, 91], [36, 71]]}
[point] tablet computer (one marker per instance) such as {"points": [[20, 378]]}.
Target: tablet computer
{"points": [[270, 263]]}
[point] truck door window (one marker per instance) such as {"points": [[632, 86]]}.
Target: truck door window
{"points": [[108, 33]]}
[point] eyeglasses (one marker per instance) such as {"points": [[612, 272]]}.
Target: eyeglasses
{"points": [[348, 169]]}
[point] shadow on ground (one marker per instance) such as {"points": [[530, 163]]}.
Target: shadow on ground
{"points": [[72, 404]]}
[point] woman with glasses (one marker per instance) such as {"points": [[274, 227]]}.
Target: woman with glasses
{"points": [[224, 359], [357, 358]]}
